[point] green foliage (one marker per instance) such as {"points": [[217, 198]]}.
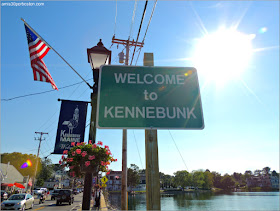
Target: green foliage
{"points": [[17, 159], [227, 182], [87, 157], [46, 171], [198, 179], [182, 178], [217, 179], [133, 177], [208, 180], [40, 182]]}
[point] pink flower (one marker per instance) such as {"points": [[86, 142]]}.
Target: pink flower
{"points": [[100, 143], [108, 152], [69, 159], [87, 163], [94, 146], [89, 141], [60, 162], [78, 151], [73, 153], [102, 163], [65, 151], [107, 167], [106, 147], [78, 144], [115, 160], [72, 144], [108, 173], [62, 156], [91, 157], [108, 163], [84, 153]]}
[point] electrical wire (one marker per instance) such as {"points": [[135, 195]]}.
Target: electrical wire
{"points": [[138, 150], [144, 12], [132, 20], [147, 30], [115, 19], [178, 150], [42, 92]]}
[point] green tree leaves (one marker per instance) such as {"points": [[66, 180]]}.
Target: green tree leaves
{"points": [[17, 159], [133, 177]]}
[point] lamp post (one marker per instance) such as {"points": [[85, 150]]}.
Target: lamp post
{"points": [[97, 56]]}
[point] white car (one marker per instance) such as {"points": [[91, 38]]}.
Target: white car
{"points": [[20, 201], [40, 190]]}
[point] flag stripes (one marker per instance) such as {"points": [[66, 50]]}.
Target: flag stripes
{"points": [[37, 51]]}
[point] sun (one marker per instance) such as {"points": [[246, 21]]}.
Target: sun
{"points": [[223, 55]]}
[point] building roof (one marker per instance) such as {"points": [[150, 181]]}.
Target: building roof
{"points": [[9, 174]]}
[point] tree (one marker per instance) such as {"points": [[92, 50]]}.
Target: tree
{"points": [[47, 170], [227, 182], [274, 173], [17, 159], [266, 170], [133, 177], [208, 180], [182, 178], [198, 179], [217, 179]]}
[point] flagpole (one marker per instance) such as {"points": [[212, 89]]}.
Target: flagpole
{"points": [[55, 51]]}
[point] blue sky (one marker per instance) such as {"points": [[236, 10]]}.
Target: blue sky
{"points": [[241, 113]]}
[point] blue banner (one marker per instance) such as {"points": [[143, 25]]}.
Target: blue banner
{"points": [[71, 125]]}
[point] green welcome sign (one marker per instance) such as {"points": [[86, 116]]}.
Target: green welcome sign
{"points": [[149, 97]]}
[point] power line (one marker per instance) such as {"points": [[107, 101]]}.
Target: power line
{"points": [[132, 20], [115, 19], [42, 92], [138, 149], [178, 150], [147, 29], [145, 7]]}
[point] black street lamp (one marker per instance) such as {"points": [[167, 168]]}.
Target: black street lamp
{"points": [[97, 56]]}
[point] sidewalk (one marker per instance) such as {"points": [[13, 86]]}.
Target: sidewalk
{"points": [[103, 205]]}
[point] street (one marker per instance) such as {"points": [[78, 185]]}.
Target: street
{"points": [[51, 204]]}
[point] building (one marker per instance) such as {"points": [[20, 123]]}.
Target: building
{"points": [[59, 179], [9, 175], [114, 182], [274, 180], [263, 181]]}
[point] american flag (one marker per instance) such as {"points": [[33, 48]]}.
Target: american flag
{"points": [[37, 50]]}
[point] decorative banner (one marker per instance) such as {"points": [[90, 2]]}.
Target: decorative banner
{"points": [[71, 125]]}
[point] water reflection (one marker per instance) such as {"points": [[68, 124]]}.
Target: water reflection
{"points": [[203, 201]]}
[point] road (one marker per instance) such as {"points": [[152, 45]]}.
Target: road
{"points": [[51, 204]]}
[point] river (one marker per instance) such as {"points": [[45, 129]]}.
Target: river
{"points": [[204, 201]]}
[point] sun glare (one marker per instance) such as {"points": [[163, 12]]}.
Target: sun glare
{"points": [[223, 55]]}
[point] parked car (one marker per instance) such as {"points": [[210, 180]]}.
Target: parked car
{"points": [[4, 195], [40, 190], [54, 194], [20, 201], [64, 195]]}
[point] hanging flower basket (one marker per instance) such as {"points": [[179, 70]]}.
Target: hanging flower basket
{"points": [[89, 157]]}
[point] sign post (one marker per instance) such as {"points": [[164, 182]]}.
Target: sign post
{"points": [[151, 149]]}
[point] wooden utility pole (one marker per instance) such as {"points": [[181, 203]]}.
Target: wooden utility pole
{"points": [[152, 169], [127, 44], [40, 140]]}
